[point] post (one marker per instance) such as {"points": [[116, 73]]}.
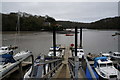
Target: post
{"points": [[20, 70], [80, 37], [32, 63], [76, 41], [76, 68], [54, 40]]}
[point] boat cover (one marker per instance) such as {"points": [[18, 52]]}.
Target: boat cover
{"points": [[99, 58], [7, 58]]}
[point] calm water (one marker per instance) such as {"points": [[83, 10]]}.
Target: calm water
{"points": [[94, 41]]}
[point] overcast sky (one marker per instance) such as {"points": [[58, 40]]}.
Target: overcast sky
{"points": [[73, 11]]}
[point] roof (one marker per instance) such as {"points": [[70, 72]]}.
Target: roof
{"points": [[78, 49], [102, 60], [4, 47], [57, 48], [106, 54]]}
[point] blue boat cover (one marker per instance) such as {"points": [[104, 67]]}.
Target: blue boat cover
{"points": [[99, 58], [55, 47], [7, 58]]}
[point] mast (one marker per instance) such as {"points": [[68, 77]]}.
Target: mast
{"points": [[17, 28], [18, 23]]}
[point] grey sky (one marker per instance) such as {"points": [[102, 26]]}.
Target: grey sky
{"points": [[73, 11]]}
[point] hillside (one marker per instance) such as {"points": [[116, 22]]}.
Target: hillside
{"points": [[30, 22], [108, 23]]}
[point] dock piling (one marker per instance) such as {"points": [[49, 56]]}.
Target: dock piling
{"points": [[54, 40], [80, 37], [76, 41]]}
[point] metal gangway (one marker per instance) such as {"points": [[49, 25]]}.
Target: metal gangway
{"points": [[46, 68]]}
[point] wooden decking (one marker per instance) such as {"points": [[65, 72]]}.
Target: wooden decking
{"points": [[63, 71]]}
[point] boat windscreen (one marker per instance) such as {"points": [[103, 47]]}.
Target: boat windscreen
{"points": [[102, 65], [109, 64], [81, 51]]}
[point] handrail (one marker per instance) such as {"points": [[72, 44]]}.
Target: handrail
{"points": [[90, 69], [74, 66], [47, 62], [45, 76], [46, 69], [71, 62]]}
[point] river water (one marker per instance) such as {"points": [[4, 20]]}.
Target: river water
{"points": [[94, 41]]}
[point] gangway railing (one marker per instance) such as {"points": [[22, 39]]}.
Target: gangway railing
{"points": [[89, 68], [75, 64], [46, 68]]}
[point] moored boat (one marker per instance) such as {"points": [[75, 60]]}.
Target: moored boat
{"points": [[80, 52], [108, 55], [115, 55], [68, 34], [59, 52], [105, 69], [7, 49]]}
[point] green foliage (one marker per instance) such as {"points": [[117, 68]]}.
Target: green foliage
{"points": [[27, 22], [37, 23]]}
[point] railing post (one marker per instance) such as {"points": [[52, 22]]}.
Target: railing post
{"points": [[44, 68], [20, 70], [50, 69], [32, 62], [37, 71], [76, 58]]}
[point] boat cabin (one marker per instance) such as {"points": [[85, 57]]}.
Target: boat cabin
{"points": [[6, 50], [117, 54], [102, 62], [106, 55]]}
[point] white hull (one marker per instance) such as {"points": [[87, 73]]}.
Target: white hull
{"points": [[109, 72], [98, 72]]}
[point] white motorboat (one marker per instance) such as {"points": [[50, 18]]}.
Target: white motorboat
{"points": [[80, 52], [59, 52], [7, 49], [115, 55], [8, 61], [105, 69], [108, 55]]}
